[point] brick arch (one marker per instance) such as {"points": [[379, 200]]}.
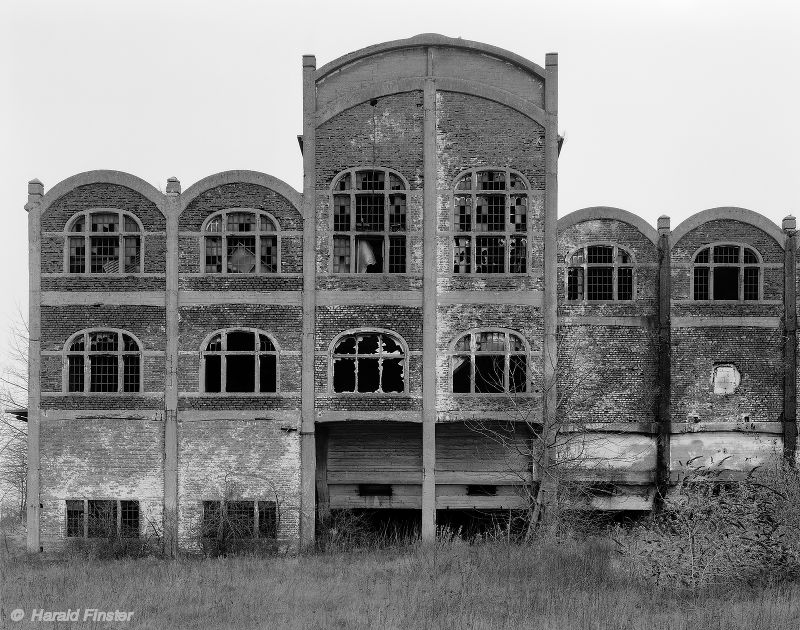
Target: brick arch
{"points": [[743, 215], [431, 39], [120, 178], [242, 177], [607, 212]]}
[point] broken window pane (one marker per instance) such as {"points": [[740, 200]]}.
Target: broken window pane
{"points": [[518, 255], [213, 254], [341, 254], [575, 284], [726, 282], [517, 381], [346, 346], [132, 254], [397, 213], [341, 212], [78, 224], [343, 183], [344, 375], [240, 373], [490, 255], [461, 255], [104, 221], [462, 374], [75, 518], [267, 224], [241, 222], [215, 224], [212, 519], [463, 214], [269, 254], [370, 180], [215, 344], [465, 183], [370, 254], [726, 254], [519, 213], [625, 283], [368, 375], [489, 374], [392, 375], [213, 374], [491, 180], [241, 340], [517, 183], [241, 253], [490, 213], [268, 377], [104, 254], [395, 183]]}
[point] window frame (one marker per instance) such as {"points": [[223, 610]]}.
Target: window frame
{"points": [[87, 370], [332, 356], [223, 234], [85, 517], [615, 266], [507, 234], [223, 353], [452, 353], [741, 266], [354, 234], [223, 509], [87, 235]]}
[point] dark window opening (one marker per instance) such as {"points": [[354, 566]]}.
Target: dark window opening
{"points": [[701, 283], [75, 517], [240, 520], [249, 363], [370, 254], [751, 283], [489, 362], [368, 363], [481, 490], [625, 283], [374, 490], [240, 373], [267, 519], [129, 519], [600, 284], [726, 283], [102, 518]]}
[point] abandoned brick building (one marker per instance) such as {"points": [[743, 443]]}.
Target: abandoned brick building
{"points": [[329, 349]]}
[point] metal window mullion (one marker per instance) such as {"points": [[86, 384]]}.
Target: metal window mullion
{"points": [[120, 245], [87, 386], [257, 364], [86, 518], [507, 365], [472, 357], [255, 519]]}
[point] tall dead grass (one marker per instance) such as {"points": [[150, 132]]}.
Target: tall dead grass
{"points": [[549, 583]]}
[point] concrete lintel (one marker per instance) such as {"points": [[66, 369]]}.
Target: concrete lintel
{"points": [[721, 322], [369, 416], [107, 298], [727, 427], [205, 298], [393, 298], [522, 298], [635, 321]]}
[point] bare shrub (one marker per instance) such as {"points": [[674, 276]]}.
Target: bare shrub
{"points": [[718, 530]]}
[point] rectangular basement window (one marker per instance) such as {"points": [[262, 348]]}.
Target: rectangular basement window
{"points": [[481, 490], [374, 490]]}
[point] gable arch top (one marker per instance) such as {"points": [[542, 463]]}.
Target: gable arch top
{"points": [[242, 177], [119, 178], [453, 64], [607, 212], [729, 213]]}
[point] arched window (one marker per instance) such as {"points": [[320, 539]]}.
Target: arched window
{"points": [[369, 222], [103, 242], [489, 362], [241, 241], [369, 362], [240, 361], [102, 361], [726, 272], [600, 272], [490, 221]]}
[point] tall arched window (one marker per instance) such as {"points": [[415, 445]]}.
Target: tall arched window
{"points": [[102, 361], [489, 362], [369, 222], [490, 222], [726, 271], [240, 361], [368, 362], [241, 241], [600, 272], [103, 242]]}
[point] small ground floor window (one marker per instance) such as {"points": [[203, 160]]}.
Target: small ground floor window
{"points": [[102, 518], [239, 520]]}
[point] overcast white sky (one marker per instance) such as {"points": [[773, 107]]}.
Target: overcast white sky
{"points": [[669, 106]]}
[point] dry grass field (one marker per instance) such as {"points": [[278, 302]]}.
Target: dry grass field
{"points": [[552, 585]]}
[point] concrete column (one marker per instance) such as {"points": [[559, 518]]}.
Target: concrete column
{"points": [[307, 437], [34, 506], [790, 341], [664, 364], [550, 303], [172, 209], [429, 212]]}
